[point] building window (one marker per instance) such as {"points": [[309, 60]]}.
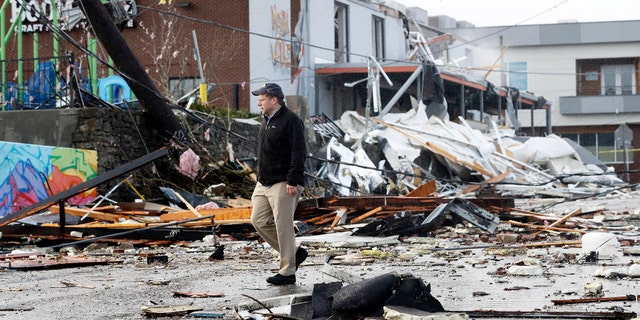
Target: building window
{"points": [[340, 33], [618, 80], [378, 37], [606, 76], [178, 87], [603, 145], [518, 75]]}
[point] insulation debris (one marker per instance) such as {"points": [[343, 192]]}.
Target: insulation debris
{"points": [[404, 148]]}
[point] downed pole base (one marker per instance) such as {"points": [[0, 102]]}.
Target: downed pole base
{"points": [[629, 297], [547, 314]]}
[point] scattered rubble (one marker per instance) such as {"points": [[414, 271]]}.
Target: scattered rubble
{"points": [[454, 252], [459, 217]]}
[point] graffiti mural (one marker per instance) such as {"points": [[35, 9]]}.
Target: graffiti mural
{"points": [[31, 173]]}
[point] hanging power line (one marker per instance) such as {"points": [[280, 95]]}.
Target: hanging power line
{"points": [[387, 60], [508, 27], [58, 32]]}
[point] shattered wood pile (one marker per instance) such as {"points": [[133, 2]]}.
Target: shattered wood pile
{"points": [[149, 224], [37, 221], [436, 236], [405, 171], [324, 214]]}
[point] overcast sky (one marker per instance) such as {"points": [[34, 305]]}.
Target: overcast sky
{"points": [[509, 12]]}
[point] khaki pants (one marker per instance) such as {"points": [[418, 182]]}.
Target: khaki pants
{"points": [[272, 217]]}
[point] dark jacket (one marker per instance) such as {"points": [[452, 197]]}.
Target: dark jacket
{"points": [[281, 149]]}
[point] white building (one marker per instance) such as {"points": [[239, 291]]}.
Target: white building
{"points": [[588, 71], [327, 32]]}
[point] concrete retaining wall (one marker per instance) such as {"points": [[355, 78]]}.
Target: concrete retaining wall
{"points": [[120, 136]]}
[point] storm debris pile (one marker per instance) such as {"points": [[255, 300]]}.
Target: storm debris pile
{"points": [[401, 191], [395, 153]]}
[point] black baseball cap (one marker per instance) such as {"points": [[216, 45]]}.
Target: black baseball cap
{"points": [[269, 88]]}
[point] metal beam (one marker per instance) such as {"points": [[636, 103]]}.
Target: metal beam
{"points": [[401, 91], [463, 111], [157, 107]]}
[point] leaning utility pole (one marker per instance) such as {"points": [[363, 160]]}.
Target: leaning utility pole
{"points": [[156, 106]]}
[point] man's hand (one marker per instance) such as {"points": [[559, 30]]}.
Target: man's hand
{"points": [[292, 190]]}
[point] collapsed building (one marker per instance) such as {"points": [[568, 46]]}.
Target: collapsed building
{"points": [[433, 135], [411, 146]]}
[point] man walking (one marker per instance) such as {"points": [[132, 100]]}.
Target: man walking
{"points": [[280, 172]]}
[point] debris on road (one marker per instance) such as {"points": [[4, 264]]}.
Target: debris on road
{"points": [[193, 294], [445, 198], [169, 311]]}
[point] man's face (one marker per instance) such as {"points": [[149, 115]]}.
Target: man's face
{"points": [[267, 104]]}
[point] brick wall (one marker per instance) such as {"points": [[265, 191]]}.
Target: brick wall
{"points": [[162, 41]]}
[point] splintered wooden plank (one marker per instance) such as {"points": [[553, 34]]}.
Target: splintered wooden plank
{"points": [[567, 217], [96, 215], [207, 222], [368, 203], [389, 203], [424, 190], [139, 225], [80, 188], [547, 244], [166, 311], [563, 219], [495, 179], [366, 215], [186, 203], [240, 213], [322, 217], [339, 214], [533, 226], [130, 211], [98, 225], [325, 221], [379, 212], [415, 209]]}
